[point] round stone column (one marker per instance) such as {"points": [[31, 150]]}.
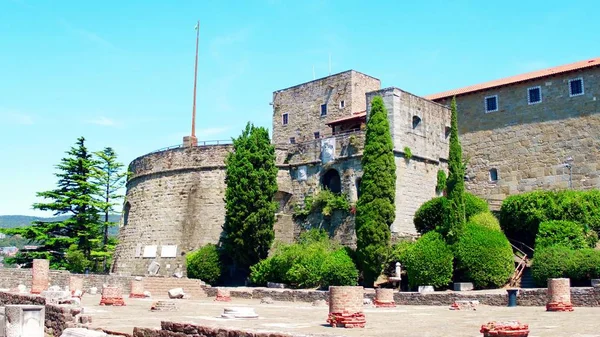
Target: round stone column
{"points": [[346, 307], [40, 275], [137, 289], [559, 295], [384, 297], [112, 295]]}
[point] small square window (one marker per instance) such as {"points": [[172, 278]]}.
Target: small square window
{"points": [[534, 95], [284, 119], [491, 103], [323, 110], [317, 135], [576, 87], [292, 140], [342, 104], [416, 121]]}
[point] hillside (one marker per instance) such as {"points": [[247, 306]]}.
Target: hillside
{"points": [[12, 221]]}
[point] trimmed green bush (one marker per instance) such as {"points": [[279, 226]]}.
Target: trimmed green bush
{"points": [[314, 261], [584, 267], [484, 256], [550, 262], [521, 214], [455, 184], [338, 269], [433, 214], [560, 232], [397, 253], [429, 261], [487, 220], [204, 264]]}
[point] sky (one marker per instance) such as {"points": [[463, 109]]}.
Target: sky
{"points": [[120, 73]]}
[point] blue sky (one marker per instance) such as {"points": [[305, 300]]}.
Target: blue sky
{"points": [[120, 73]]}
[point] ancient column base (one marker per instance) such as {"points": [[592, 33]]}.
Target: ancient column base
{"points": [[112, 301], [381, 304], [505, 329], [137, 296], [555, 306], [347, 320]]}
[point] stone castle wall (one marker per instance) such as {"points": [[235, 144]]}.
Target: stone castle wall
{"points": [[528, 144]]}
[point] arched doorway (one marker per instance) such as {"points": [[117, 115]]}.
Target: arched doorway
{"points": [[331, 180]]}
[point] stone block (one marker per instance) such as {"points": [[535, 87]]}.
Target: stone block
{"points": [[426, 289], [463, 286], [56, 296], [25, 320], [240, 312], [40, 275], [176, 293], [82, 332], [276, 285]]}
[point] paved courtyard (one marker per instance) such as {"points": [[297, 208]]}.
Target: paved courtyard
{"points": [[422, 321]]}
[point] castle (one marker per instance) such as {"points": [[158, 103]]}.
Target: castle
{"points": [[532, 131]]}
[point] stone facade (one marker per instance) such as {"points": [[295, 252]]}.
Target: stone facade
{"points": [[528, 144]]}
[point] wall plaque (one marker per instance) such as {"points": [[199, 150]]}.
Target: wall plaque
{"points": [[150, 251], [168, 251]]}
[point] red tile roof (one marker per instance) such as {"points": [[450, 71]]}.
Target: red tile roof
{"points": [[356, 115], [518, 78]]}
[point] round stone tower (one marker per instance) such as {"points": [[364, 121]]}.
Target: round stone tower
{"points": [[174, 204]]}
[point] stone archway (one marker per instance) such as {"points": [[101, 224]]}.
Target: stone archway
{"points": [[331, 180]]}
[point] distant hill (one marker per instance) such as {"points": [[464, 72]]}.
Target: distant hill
{"points": [[12, 221]]}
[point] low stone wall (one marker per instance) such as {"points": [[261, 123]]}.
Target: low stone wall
{"points": [[580, 297], [170, 329], [58, 317]]}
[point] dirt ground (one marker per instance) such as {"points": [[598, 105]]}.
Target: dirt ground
{"points": [[422, 321]]}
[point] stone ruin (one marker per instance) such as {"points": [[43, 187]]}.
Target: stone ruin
{"points": [[346, 307], [164, 306], [112, 295], [40, 276], [223, 295], [559, 295], [384, 297]]}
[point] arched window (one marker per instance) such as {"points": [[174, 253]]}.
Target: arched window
{"points": [[493, 175], [126, 209], [331, 181], [416, 121]]}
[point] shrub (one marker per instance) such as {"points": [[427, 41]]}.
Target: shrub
{"points": [[484, 256], [560, 232], [579, 206], [204, 264], [397, 253], [521, 214], [550, 262], [585, 265], [338, 269], [487, 220], [429, 261], [433, 214]]}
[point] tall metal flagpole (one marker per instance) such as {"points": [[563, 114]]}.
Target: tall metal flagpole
{"points": [[195, 81]]}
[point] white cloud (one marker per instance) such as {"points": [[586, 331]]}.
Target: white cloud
{"points": [[103, 121]]}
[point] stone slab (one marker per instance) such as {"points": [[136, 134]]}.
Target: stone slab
{"points": [[463, 286], [82, 332]]}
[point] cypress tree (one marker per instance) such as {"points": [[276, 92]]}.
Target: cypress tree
{"points": [[455, 185], [375, 210], [70, 243], [251, 178]]}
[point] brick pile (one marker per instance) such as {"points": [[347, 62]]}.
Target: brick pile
{"points": [[505, 329], [384, 297], [559, 295], [346, 307], [40, 276], [112, 296]]}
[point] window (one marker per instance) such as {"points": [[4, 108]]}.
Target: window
{"points": [[491, 103], [534, 95], [416, 120], [342, 104], [323, 110], [493, 175], [317, 135], [292, 140], [576, 87], [447, 132], [284, 119]]}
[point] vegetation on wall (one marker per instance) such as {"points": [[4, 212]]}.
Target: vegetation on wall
{"points": [[251, 178], [407, 153], [76, 241], [455, 185], [325, 202], [375, 210]]}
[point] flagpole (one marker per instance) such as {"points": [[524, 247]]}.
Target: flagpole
{"points": [[195, 81]]}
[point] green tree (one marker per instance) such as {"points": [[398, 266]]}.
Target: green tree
{"points": [[375, 209], [111, 178], [251, 177], [79, 234], [455, 185]]}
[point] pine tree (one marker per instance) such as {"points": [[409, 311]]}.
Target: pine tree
{"points": [[110, 177], [375, 210], [67, 244], [251, 177], [455, 184]]}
